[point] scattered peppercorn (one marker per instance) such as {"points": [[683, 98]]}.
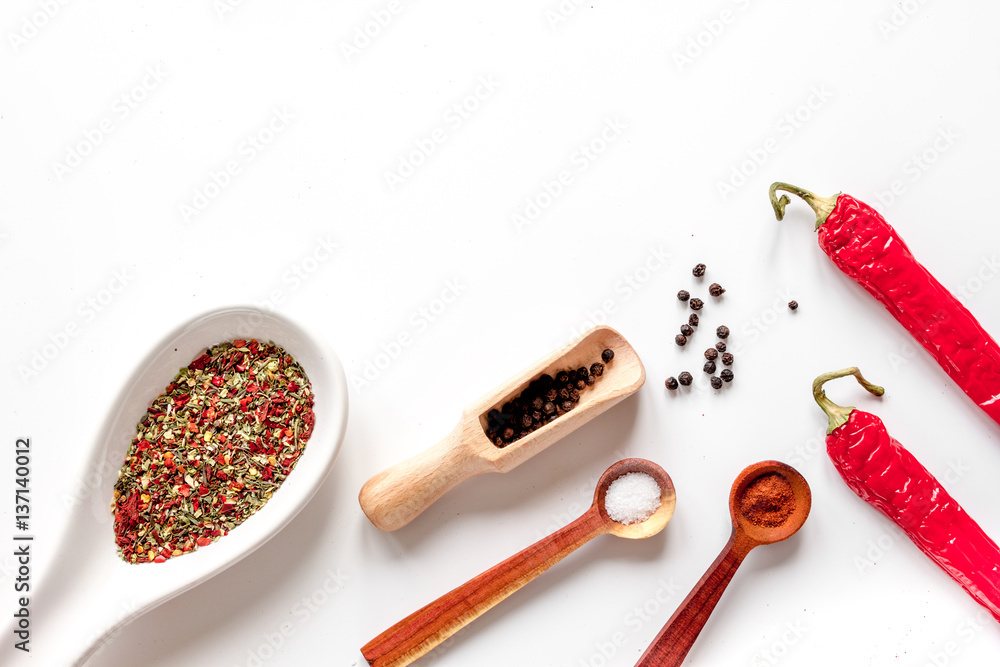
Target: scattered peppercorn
{"points": [[711, 354], [716, 382], [715, 289], [793, 305], [727, 359], [726, 375], [720, 346], [709, 367], [685, 378], [597, 370], [687, 329], [590, 380], [722, 332], [671, 383], [607, 355], [698, 271], [683, 295], [681, 339], [693, 319], [696, 304]]}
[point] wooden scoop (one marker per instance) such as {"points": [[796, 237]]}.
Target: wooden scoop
{"points": [[678, 635], [394, 497], [424, 629]]}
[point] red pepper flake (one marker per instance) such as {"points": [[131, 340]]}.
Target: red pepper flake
{"points": [[200, 363], [180, 474]]}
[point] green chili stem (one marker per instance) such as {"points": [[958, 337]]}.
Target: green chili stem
{"points": [[822, 206], [838, 414]]}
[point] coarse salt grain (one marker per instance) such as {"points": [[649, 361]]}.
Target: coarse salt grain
{"points": [[632, 498]]}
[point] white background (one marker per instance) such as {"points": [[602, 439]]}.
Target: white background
{"points": [[117, 121]]}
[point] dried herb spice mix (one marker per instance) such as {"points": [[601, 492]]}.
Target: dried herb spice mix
{"points": [[211, 450]]}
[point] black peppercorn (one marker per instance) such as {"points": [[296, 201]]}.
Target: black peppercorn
{"points": [[715, 289], [693, 319], [696, 304], [552, 394], [564, 393], [580, 384], [711, 354], [793, 305], [590, 380], [597, 369], [722, 332], [698, 271], [536, 402], [709, 367], [685, 378], [683, 295], [508, 434], [716, 382], [727, 359], [567, 405], [526, 420], [582, 373], [498, 441], [671, 383], [720, 346], [687, 329], [681, 339], [562, 377], [607, 355], [549, 407], [726, 375]]}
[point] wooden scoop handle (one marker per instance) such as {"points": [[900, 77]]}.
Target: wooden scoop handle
{"points": [[678, 635], [424, 629], [394, 497]]}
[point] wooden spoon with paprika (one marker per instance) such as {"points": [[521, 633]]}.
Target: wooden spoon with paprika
{"points": [[768, 503]]}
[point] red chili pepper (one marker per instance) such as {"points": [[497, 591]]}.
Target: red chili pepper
{"points": [[887, 476], [863, 245]]}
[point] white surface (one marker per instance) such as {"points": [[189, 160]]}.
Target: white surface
{"points": [[309, 225]]}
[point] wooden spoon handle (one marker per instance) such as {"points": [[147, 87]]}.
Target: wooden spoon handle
{"points": [[678, 635], [394, 497], [424, 629]]}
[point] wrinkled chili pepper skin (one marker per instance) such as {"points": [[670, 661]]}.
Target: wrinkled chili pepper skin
{"points": [[887, 476], [863, 245]]}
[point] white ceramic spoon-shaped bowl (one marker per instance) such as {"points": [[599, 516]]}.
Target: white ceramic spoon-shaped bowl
{"points": [[90, 593]]}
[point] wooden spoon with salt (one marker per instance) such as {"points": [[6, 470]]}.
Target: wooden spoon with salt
{"points": [[421, 631], [768, 503]]}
